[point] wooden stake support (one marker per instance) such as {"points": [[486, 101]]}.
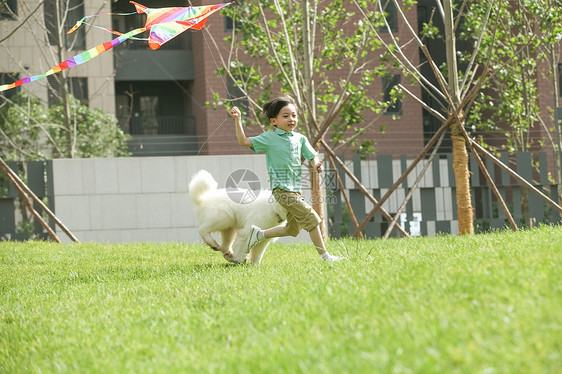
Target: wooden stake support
{"points": [[516, 176], [342, 189], [411, 192], [401, 179], [362, 188], [26, 192]]}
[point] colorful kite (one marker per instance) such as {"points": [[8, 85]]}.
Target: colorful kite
{"points": [[164, 24]]}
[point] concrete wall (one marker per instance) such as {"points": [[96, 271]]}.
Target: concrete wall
{"points": [[138, 199]]}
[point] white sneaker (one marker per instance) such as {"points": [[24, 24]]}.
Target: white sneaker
{"points": [[252, 238], [330, 258]]}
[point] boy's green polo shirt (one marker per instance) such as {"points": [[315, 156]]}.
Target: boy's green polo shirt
{"points": [[283, 151]]}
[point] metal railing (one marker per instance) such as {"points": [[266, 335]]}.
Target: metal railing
{"points": [[160, 125]]}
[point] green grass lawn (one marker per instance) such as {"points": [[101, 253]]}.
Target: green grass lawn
{"points": [[477, 304]]}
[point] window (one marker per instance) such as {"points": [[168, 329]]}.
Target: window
{"points": [[70, 11], [395, 104], [149, 114], [560, 79], [78, 88], [8, 78], [236, 95], [391, 15], [154, 107], [229, 23], [8, 9], [76, 40]]}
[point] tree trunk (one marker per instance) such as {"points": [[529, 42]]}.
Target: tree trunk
{"points": [[465, 212]]}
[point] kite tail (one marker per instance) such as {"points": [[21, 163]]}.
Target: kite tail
{"points": [[78, 59]]}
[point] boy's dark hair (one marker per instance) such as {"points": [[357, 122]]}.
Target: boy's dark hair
{"points": [[272, 108]]}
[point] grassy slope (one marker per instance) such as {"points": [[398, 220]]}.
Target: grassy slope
{"points": [[487, 303]]}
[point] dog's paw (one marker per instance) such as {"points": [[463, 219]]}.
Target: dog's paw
{"points": [[251, 261], [229, 256]]}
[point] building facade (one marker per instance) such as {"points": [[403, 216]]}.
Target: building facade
{"points": [[29, 47], [161, 97]]}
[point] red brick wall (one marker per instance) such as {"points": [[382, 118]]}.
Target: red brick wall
{"points": [[548, 111]]}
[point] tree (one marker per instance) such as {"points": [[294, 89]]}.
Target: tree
{"points": [[459, 92], [510, 96], [29, 131], [465, 213], [550, 35], [455, 93], [525, 39], [22, 129], [97, 134], [69, 128]]}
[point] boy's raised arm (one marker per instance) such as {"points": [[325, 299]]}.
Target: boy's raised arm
{"points": [[240, 135]]}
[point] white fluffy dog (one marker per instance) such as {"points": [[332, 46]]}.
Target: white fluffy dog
{"points": [[217, 212]]}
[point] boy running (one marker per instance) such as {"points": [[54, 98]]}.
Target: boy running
{"points": [[283, 150]]}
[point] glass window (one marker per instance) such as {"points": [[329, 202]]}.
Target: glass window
{"points": [[237, 96], [154, 107], [229, 23], [76, 40], [391, 15], [388, 83], [78, 88], [70, 11], [149, 110], [560, 79]]}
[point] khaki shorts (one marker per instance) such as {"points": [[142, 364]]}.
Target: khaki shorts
{"points": [[300, 215]]}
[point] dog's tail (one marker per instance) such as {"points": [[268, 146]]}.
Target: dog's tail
{"points": [[201, 183]]}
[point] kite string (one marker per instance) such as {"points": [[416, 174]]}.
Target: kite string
{"points": [[226, 87], [215, 61], [115, 32], [213, 133], [82, 21], [194, 99], [172, 78]]}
